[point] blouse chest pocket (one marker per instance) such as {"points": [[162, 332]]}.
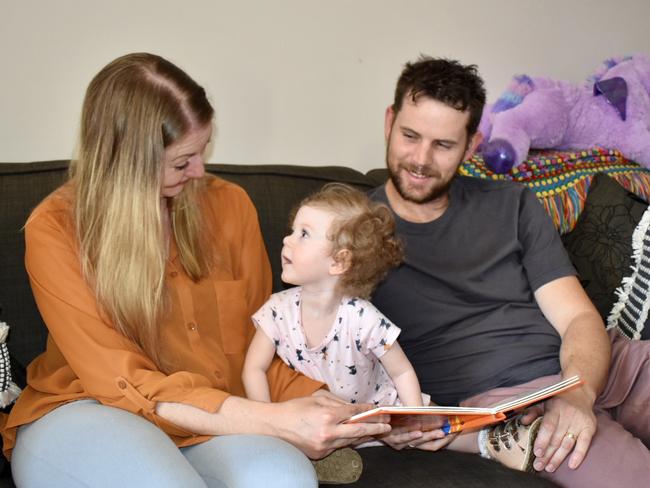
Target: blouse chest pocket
{"points": [[234, 316]]}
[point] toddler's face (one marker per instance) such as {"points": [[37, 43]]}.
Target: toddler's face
{"points": [[306, 254]]}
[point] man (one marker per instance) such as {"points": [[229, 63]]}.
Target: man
{"points": [[487, 299]]}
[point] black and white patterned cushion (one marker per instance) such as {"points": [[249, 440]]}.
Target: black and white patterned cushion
{"points": [[9, 391], [600, 245], [629, 314]]}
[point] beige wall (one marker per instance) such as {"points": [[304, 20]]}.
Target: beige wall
{"points": [[293, 81]]}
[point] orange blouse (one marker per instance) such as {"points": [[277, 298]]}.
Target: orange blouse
{"points": [[208, 326]]}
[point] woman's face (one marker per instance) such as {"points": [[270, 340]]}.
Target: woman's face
{"points": [[184, 160]]}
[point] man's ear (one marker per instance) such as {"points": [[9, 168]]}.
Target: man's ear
{"points": [[341, 262], [474, 142], [389, 118]]}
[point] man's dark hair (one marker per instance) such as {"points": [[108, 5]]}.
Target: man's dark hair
{"points": [[445, 80]]}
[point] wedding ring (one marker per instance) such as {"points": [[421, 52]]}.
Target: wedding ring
{"points": [[411, 446], [570, 435]]}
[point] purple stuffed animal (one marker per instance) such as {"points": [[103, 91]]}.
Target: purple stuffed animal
{"points": [[612, 111]]}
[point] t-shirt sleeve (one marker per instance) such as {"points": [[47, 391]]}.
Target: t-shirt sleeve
{"points": [[265, 319], [285, 383], [377, 333], [544, 257]]}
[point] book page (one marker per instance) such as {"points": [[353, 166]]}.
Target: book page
{"points": [[492, 414], [525, 399]]}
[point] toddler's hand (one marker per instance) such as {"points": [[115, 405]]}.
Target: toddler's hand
{"points": [[418, 430], [436, 444]]}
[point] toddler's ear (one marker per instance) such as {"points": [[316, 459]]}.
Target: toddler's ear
{"points": [[341, 262]]}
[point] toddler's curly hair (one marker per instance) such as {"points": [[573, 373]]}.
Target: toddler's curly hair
{"points": [[362, 232]]}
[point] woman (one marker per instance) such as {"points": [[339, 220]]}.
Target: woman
{"points": [[146, 272]]}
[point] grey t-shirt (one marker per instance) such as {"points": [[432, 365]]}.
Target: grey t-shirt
{"points": [[464, 295]]}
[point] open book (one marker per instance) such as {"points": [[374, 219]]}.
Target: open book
{"points": [[468, 418]]}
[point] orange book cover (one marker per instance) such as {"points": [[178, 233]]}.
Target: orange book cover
{"points": [[468, 418]]}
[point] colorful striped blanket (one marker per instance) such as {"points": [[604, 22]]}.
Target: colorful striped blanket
{"points": [[561, 179]]}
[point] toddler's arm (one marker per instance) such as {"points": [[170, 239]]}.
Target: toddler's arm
{"points": [[401, 371], [258, 359]]}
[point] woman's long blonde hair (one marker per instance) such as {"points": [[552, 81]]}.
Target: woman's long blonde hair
{"points": [[134, 108]]}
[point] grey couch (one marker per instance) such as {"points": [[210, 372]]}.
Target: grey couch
{"points": [[274, 189]]}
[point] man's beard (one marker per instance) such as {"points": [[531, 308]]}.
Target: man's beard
{"points": [[438, 189]]}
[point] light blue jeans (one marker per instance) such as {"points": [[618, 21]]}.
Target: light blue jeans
{"points": [[84, 443]]}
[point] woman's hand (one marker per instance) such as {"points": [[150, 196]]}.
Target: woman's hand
{"points": [[328, 394], [315, 424]]}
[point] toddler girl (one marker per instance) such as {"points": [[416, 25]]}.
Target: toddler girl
{"points": [[341, 245]]}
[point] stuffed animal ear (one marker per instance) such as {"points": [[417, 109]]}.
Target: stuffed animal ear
{"points": [[615, 92]]}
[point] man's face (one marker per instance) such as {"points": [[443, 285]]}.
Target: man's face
{"points": [[426, 142]]}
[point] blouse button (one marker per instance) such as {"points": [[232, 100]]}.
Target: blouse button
{"points": [[191, 326], [121, 384]]}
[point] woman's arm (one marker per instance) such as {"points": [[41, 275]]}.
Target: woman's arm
{"points": [[403, 375], [313, 424], [258, 360]]}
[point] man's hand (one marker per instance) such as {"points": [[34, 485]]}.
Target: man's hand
{"points": [[314, 424], [569, 425]]}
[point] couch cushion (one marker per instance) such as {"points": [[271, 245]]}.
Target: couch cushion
{"points": [[600, 245], [385, 468], [377, 177], [22, 187]]}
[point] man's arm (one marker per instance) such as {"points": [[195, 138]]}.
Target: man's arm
{"points": [[585, 351]]}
